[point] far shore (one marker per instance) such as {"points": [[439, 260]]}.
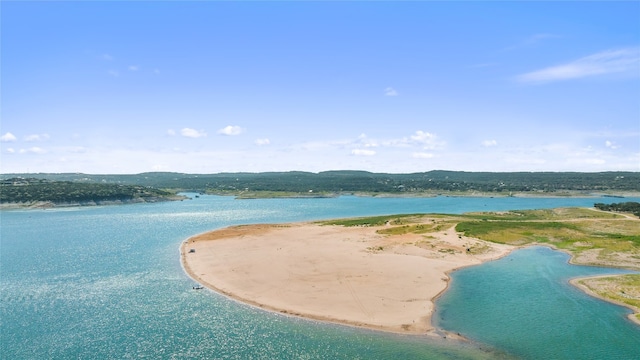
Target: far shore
{"points": [[425, 194], [346, 275], [52, 205], [310, 195]]}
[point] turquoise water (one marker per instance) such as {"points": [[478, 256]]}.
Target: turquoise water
{"points": [[106, 282], [524, 304]]}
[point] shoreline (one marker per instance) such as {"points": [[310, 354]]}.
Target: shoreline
{"points": [[586, 289], [39, 205], [397, 299], [241, 195]]}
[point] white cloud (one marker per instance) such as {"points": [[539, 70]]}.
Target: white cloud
{"points": [[423, 155], [75, 149], [107, 57], [624, 61], [231, 130], [36, 137], [192, 133], [133, 67], [424, 140], [611, 145], [261, 142], [10, 150], [113, 73], [171, 132], [362, 152], [421, 138], [8, 137], [33, 150], [489, 143], [390, 92]]}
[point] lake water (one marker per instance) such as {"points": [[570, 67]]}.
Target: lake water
{"points": [[106, 282]]}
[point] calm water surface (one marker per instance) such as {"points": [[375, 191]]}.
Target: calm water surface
{"points": [[106, 282]]}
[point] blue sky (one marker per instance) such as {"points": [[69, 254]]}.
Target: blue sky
{"points": [[207, 87]]}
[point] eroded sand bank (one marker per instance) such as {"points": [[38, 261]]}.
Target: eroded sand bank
{"points": [[348, 275]]}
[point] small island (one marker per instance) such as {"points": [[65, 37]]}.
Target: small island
{"points": [[385, 272]]}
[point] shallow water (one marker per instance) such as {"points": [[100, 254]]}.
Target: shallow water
{"points": [[106, 282], [524, 304]]}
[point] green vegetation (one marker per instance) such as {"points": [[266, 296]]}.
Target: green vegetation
{"points": [[373, 220], [592, 237], [517, 232], [20, 190], [576, 230], [610, 239], [623, 289], [296, 183], [627, 207]]}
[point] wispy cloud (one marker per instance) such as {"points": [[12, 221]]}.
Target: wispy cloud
{"points": [[362, 152], [424, 139], [231, 130], [33, 150], [489, 143], [423, 155], [624, 61], [36, 137], [261, 142], [611, 145], [133, 68], [114, 73], [192, 133], [390, 92], [532, 40], [10, 150], [8, 137], [106, 57], [363, 140]]}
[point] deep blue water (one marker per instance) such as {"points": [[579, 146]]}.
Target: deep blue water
{"points": [[106, 282]]}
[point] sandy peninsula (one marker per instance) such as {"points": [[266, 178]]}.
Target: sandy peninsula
{"points": [[348, 275]]}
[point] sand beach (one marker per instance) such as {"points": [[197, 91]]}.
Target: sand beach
{"points": [[348, 275]]}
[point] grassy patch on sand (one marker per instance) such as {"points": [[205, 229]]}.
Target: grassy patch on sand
{"points": [[376, 220], [611, 239], [624, 289], [592, 237]]}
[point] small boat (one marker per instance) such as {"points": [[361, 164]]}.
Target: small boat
{"points": [[198, 287]]}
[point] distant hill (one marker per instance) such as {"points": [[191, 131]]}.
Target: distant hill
{"points": [[29, 190], [337, 182]]}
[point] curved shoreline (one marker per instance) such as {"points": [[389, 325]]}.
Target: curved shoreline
{"points": [[586, 289], [344, 275]]}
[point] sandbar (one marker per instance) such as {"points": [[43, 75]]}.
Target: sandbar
{"points": [[348, 275]]}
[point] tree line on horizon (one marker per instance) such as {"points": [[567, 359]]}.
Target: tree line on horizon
{"points": [[85, 187]]}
